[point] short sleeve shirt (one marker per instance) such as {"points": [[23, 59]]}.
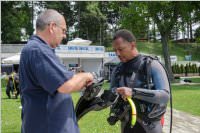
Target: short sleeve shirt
{"points": [[44, 110]]}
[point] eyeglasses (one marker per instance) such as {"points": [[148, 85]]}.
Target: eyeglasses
{"points": [[64, 30]]}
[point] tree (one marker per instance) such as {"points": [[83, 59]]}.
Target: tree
{"points": [[197, 39], [79, 8], [135, 17], [91, 21], [94, 10], [15, 21], [188, 16], [165, 15]]}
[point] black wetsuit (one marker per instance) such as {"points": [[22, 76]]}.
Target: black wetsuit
{"points": [[132, 74]]}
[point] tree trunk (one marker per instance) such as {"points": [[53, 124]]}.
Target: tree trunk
{"points": [[191, 37], [184, 40], [87, 33], [154, 32], [176, 32], [79, 21], [188, 33], [32, 13], [100, 34], [166, 55]]}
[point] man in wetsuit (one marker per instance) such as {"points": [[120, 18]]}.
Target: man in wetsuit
{"points": [[142, 78]]}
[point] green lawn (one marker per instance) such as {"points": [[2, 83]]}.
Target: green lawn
{"points": [[185, 98], [10, 114], [195, 80]]}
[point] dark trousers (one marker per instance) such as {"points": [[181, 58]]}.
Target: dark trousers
{"points": [[10, 89]]}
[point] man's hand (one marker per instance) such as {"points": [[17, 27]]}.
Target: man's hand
{"points": [[76, 83], [90, 78], [125, 92]]}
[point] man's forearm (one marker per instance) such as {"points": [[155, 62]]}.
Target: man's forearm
{"points": [[76, 83], [152, 96]]}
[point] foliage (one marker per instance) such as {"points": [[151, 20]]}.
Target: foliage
{"points": [[15, 16], [112, 9], [165, 15], [135, 18], [188, 68], [197, 35], [98, 20], [199, 70], [92, 22]]}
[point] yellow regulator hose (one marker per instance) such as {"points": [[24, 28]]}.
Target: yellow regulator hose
{"points": [[133, 111]]}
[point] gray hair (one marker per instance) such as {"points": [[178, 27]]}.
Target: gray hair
{"points": [[124, 34], [46, 17]]}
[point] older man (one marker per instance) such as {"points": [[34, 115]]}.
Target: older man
{"points": [[45, 83]]}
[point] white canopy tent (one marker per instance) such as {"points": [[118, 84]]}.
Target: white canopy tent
{"points": [[111, 60], [88, 58], [79, 41], [12, 60]]}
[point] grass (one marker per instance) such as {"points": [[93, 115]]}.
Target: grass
{"points": [[10, 114], [93, 122], [180, 50], [185, 98], [195, 80]]}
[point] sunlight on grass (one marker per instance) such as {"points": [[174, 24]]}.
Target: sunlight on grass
{"points": [[10, 114], [185, 98]]}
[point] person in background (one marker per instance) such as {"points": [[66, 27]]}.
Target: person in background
{"points": [[12, 85]]}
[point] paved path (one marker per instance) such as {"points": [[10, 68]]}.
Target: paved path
{"points": [[185, 83], [190, 77], [182, 122]]}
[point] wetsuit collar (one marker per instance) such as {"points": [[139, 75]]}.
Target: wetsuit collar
{"points": [[135, 59]]}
